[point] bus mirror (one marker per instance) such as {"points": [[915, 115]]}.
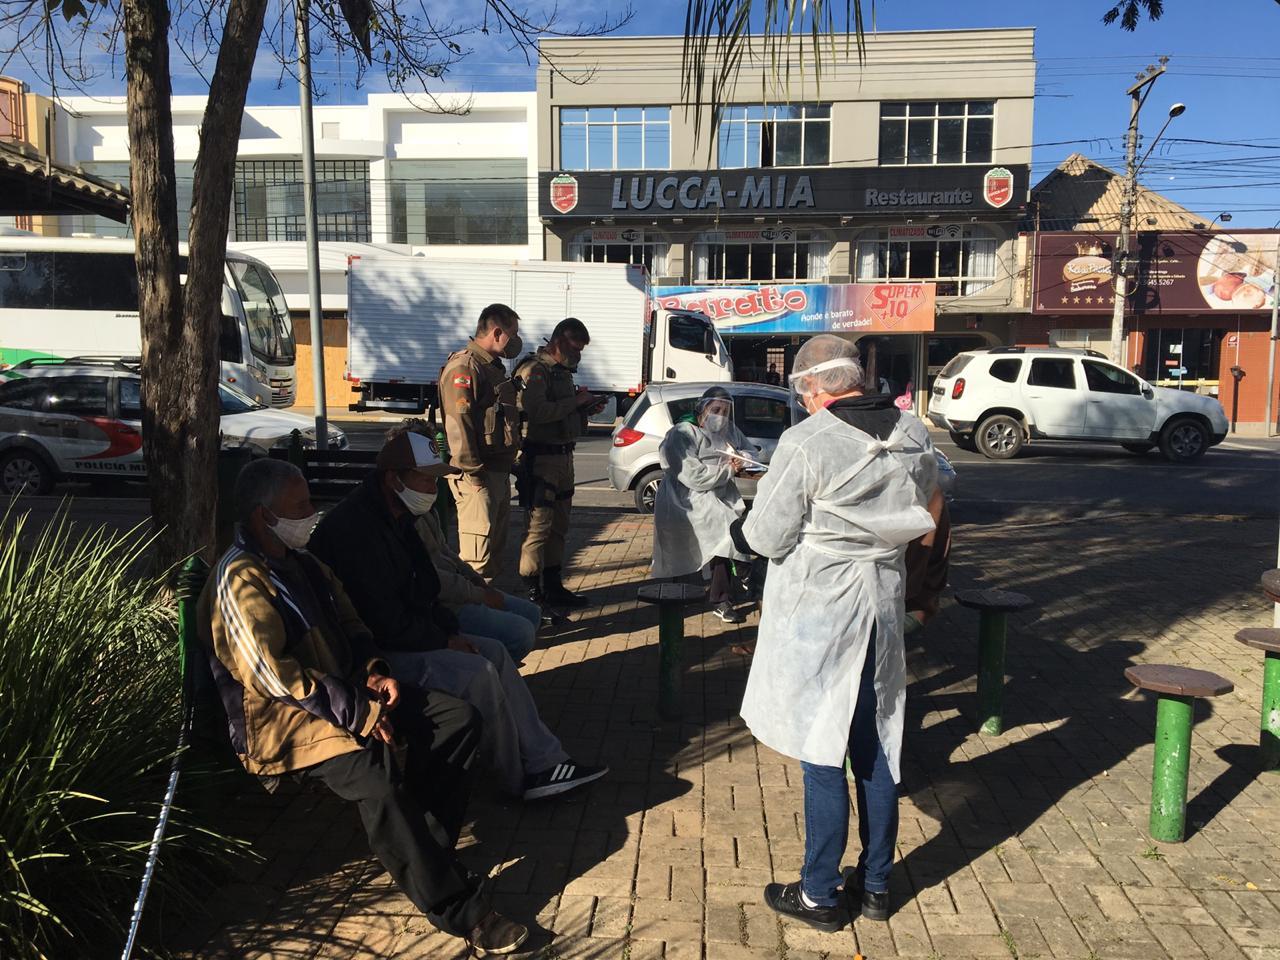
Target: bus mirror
{"points": [[709, 342]]}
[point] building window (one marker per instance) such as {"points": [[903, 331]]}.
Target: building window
{"points": [[475, 202], [771, 255], [621, 245], [615, 138], [775, 136], [929, 133], [119, 173], [960, 260], [268, 197]]}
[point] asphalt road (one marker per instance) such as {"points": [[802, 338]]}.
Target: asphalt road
{"points": [[1238, 478]]}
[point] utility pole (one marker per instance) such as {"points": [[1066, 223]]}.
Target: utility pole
{"points": [[1120, 271], [309, 211]]}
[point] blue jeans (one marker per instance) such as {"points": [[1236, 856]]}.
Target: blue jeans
{"points": [[515, 627], [826, 805]]}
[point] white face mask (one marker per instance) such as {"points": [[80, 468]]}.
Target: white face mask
{"points": [[294, 534], [715, 422], [415, 502]]}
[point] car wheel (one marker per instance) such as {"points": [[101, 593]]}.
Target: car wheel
{"points": [[646, 490], [1138, 448], [999, 437], [22, 471], [1184, 440], [963, 442]]}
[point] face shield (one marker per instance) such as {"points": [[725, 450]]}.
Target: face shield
{"points": [[804, 383], [715, 414]]}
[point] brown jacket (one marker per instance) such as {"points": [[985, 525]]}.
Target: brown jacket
{"points": [[290, 658], [481, 421], [459, 584], [549, 400]]}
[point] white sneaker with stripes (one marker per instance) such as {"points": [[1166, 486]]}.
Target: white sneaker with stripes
{"points": [[561, 778]]}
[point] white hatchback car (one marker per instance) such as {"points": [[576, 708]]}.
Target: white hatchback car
{"points": [[997, 400], [82, 419]]}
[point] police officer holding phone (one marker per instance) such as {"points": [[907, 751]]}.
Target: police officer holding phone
{"points": [[555, 413]]}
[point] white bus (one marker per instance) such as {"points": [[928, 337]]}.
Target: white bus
{"points": [[78, 296]]}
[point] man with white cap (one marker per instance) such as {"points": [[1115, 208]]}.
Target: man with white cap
{"points": [[371, 543], [847, 490]]}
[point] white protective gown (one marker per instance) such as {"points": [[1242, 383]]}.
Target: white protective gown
{"points": [[835, 514], [697, 500]]}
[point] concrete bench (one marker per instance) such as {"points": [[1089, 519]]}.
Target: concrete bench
{"points": [[1267, 639], [1178, 688], [994, 606], [1271, 585], [671, 599]]}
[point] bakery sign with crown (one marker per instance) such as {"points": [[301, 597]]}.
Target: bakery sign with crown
{"points": [[1174, 272]]}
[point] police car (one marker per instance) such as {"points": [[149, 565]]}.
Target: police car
{"points": [[81, 418]]}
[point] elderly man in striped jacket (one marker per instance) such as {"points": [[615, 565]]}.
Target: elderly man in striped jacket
{"points": [[306, 695]]}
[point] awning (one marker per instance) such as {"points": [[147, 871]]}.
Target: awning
{"points": [[29, 185]]}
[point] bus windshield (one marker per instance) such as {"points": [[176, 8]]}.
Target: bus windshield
{"points": [[270, 329]]}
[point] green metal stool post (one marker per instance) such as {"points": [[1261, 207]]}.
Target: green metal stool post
{"points": [[671, 599], [1267, 639], [1178, 688], [994, 607]]}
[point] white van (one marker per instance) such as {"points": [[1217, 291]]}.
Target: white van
{"points": [[997, 400], [66, 297]]}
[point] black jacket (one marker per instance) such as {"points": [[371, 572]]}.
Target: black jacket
{"points": [[386, 570]]}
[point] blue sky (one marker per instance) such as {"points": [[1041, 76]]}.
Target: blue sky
{"points": [[1224, 65]]}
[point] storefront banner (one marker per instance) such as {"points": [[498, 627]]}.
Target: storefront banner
{"points": [[751, 192], [1177, 272], [809, 308]]}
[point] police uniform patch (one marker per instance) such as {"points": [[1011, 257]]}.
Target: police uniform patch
{"points": [[462, 380]]}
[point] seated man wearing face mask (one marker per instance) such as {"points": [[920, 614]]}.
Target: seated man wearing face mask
{"points": [[847, 490], [481, 610], [306, 695], [698, 499], [371, 542]]}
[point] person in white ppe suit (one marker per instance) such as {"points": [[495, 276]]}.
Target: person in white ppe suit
{"points": [[847, 489], [698, 499]]}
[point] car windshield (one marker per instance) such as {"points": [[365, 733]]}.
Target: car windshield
{"points": [[232, 401]]}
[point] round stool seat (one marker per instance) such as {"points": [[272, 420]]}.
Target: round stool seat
{"points": [[997, 601], [1260, 638], [1179, 681], [1271, 585], [679, 593]]}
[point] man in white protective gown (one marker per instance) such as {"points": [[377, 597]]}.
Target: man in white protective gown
{"points": [[847, 489], [698, 498]]}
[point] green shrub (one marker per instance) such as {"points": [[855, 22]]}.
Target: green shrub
{"points": [[89, 711]]}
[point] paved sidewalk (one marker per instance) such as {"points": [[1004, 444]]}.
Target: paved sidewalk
{"points": [[1028, 845]]}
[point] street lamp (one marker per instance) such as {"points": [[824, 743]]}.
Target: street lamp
{"points": [[1138, 94], [1224, 217]]}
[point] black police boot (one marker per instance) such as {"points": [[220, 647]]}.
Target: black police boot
{"points": [[533, 588], [556, 593]]}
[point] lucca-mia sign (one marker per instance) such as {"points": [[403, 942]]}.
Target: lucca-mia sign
{"points": [[751, 192]]}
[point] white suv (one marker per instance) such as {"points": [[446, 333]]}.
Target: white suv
{"points": [[997, 400]]}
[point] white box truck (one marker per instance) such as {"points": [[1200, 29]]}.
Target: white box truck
{"points": [[406, 315]]}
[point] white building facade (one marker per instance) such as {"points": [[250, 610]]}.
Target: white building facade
{"points": [[394, 175]]}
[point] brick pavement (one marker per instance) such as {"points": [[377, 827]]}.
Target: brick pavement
{"points": [[1029, 845]]}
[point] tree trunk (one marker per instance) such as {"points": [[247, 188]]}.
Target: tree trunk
{"points": [[180, 358], [170, 404]]}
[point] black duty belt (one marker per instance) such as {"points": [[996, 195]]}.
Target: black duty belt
{"points": [[549, 449]]}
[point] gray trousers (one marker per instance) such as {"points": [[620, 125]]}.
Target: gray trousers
{"points": [[515, 741]]}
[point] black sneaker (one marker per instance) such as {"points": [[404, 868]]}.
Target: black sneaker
{"points": [[495, 934], [728, 614], [561, 778], [785, 899], [875, 906]]}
